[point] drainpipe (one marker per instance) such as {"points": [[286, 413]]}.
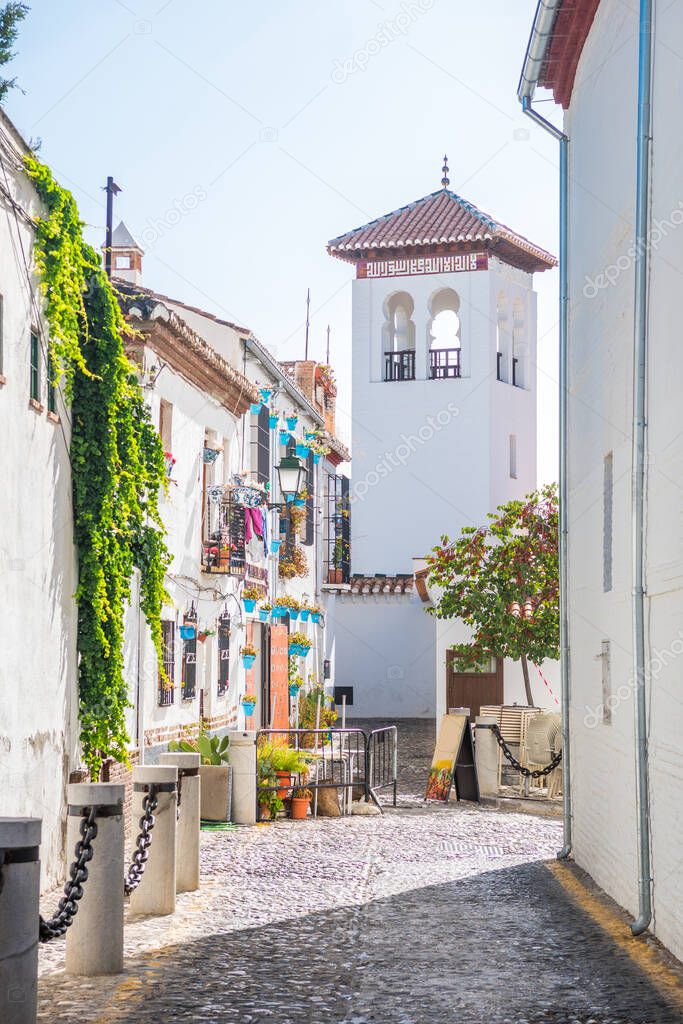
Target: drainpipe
{"points": [[527, 84], [638, 459]]}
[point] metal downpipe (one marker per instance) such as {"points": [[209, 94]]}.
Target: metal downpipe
{"points": [[563, 533], [638, 461]]}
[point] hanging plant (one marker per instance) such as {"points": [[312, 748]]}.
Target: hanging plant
{"points": [[294, 564], [117, 463]]}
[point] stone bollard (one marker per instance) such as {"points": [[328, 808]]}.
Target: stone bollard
{"points": [[93, 947], [243, 761], [486, 756], [187, 838], [19, 892], [156, 892]]}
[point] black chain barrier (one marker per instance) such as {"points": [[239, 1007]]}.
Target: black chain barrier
{"points": [[133, 877], [537, 773], [67, 908]]}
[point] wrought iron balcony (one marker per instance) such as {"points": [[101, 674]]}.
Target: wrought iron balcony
{"points": [[400, 365], [444, 363]]}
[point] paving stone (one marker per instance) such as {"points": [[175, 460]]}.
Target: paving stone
{"points": [[424, 914]]}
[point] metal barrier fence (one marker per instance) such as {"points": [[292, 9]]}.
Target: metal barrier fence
{"points": [[346, 759], [382, 761]]}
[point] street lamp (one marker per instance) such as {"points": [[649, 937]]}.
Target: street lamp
{"points": [[291, 476]]}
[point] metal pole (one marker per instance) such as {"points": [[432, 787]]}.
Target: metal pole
{"points": [[308, 309], [565, 666], [111, 189], [90, 948], [20, 874], [638, 459]]}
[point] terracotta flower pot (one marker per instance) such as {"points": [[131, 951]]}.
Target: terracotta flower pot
{"points": [[285, 780], [300, 806]]}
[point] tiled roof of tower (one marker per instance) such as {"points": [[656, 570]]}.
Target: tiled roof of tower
{"points": [[444, 220]]}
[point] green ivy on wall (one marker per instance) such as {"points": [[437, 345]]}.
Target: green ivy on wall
{"points": [[117, 463]]}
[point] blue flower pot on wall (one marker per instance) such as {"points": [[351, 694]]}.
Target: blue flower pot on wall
{"points": [[249, 604], [187, 632], [310, 435], [248, 660], [284, 437], [248, 709], [275, 546], [294, 614], [316, 458], [256, 407], [272, 422], [265, 394], [293, 689], [263, 614], [305, 614], [292, 421], [302, 451], [315, 616]]}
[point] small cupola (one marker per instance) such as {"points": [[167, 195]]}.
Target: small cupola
{"points": [[126, 255]]}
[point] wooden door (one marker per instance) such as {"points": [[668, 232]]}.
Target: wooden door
{"points": [[474, 688]]}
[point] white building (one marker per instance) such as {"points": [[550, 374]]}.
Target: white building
{"points": [[39, 700], [224, 456], [444, 430], [587, 53]]}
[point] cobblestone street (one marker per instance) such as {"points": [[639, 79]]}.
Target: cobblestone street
{"points": [[424, 914]]}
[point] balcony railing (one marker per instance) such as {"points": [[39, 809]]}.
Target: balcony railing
{"points": [[223, 548], [444, 363], [400, 365]]}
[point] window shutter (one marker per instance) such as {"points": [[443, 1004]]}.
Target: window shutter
{"points": [[345, 530], [223, 654], [263, 445], [309, 535]]}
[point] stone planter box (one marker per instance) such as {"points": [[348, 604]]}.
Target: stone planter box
{"points": [[216, 792]]}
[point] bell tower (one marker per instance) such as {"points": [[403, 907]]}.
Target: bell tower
{"points": [[443, 400]]}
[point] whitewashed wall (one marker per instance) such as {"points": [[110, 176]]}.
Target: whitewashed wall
{"points": [[601, 124], [38, 702], [385, 650]]}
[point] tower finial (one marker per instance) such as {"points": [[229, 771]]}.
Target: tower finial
{"points": [[445, 181]]}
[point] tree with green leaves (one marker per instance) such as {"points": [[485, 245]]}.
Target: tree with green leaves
{"points": [[502, 581], [10, 16]]}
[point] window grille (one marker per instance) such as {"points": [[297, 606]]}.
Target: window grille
{"points": [[189, 689], [35, 367], [223, 549], [309, 533], [167, 688], [223, 654]]}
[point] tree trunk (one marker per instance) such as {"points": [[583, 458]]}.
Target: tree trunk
{"points": [[527, 684]]}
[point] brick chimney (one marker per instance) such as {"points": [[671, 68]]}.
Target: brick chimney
{"points": [[318, 386]]}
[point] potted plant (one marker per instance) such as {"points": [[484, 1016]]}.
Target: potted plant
{"points": [[265, 394], [273, 420], [248, 653], [295, 685], [316, 613], [250, 595], [215, 774], [270, 804], [302, 449], [294, 608], [286, 761], [299, 644], [319, 448], [284, 437], [292, 421], [301, 498], [305, 611], [169, 462], [275, 545], [256, 408], [301, 800], [187, 631], [281, 604], [248, 703], [264, 611], [202, 634]]}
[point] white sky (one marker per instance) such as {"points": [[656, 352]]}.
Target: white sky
{"points": [[287, 123]]}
